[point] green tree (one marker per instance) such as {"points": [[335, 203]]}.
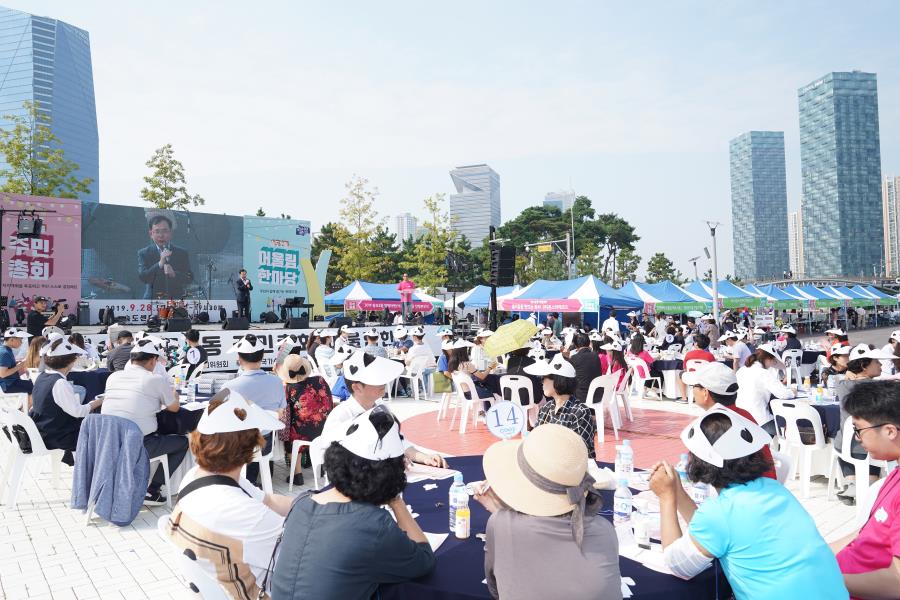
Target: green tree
{"points": [[545, 265], [35, 163], [328, 238], [385, 252], [590, 260], [617, 234], [260, 212], [660, 268], [284, 216], [735, 280], [627, 264], [360, 223], [471, 268], [429, 258], [166, 187]]}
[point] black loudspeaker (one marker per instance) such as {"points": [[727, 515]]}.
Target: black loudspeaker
{"points": [[236, 324], [203, 317], [4, 318], [223, 314], [339, 322], [177, 324], [297, 322], [269, 317], [503, 265]]}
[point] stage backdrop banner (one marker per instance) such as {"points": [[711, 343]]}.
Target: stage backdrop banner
{"points": [[217, 343], [273, 249], [121, 249], [137, 311], [48, 265]]}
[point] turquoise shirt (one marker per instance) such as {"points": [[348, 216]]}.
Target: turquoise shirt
{"points": [[767, 543]]}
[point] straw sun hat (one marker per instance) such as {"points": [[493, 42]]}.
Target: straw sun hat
{"points": [[296, 368], [544, 475]]}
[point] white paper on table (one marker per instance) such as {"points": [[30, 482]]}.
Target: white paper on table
{"points": [[604, 477], [640, 480], [429, 486], [194, 405], [435, 539], [416, 472]]}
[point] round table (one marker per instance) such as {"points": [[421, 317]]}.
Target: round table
{"points": [[94, 382], [459, 571]]}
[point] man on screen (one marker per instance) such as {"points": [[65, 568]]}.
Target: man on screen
{"points": [[163, 267]]}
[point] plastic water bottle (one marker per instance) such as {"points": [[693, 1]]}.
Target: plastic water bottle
{"points": [[699, 493], [622, 502], [624, 460], [458, 497], [641, 523], [681, 469]]}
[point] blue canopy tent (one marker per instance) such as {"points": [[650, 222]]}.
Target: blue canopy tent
{"points": [[730, 295], [779, 298], [665, 296], [480, 295], [823, 300], [362, 295], [880, 297]]}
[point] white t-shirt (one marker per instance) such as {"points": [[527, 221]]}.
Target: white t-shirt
{"points": [[740, 351], [237, 516], [137, 394], [887, 366], [610, 325], [421, 352]]}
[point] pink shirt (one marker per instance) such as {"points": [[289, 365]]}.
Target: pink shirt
{"points": [[878, 541], [406, 289]]}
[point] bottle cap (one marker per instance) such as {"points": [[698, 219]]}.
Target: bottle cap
{"points": [[626, 442], [684, 457], [457, 477]]}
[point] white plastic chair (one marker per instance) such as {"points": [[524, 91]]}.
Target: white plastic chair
{"points": [[413, 373], [864, 507], [608, 401], [317, 449], [692, 365], [464, 383], [265, 475], [33, 374], [674, 347], [640, 374], [296, 445], [196, 373], [511, 388], [792, 360], [783, 464], [19, 400], [329, 374], [794, 413], [15, 467], [860, 466], [623, 391]]}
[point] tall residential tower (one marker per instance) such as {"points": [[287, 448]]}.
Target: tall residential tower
{"points": [[759, 205], [48, 62], [795, 242], [840, 156], [476, 204], [890, 207]]}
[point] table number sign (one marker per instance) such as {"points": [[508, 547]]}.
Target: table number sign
{"points": [[505, 419]]}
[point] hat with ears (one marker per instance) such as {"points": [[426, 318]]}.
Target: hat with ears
{"points": [[863, 351], [713, 376], [371, 333], [371, 370], [788, 329], [236, 414], [247, 345], [557, 366], [417, 331], [613, 345], [400, 332], [51, 329], [147, 346], [447, 345], [461, 343], [537, 353], [743, 438], [12, 332], [483, 333], [836, 331], [374, 435], [63, 348], [771, 351], [341, 354]]}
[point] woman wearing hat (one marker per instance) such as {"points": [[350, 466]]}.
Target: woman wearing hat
{"points": [[340, 543], [837, 365], [835, 337], [562, 407], [766, 542], [864, 364], [613, 359], [11, 369], [476, 353], [221, 517], [443, 381], [57, 410], [791, 343], [325, 350], [460, 362], [758, 382], [542, 496], [308, 404], [312, 344]]}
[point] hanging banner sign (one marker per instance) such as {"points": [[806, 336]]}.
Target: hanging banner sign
{"points": [[137, 311], [541, 305], [392, 305]]}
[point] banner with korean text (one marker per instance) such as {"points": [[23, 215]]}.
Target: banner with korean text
{"points": [[273, 249], [49, 265]]}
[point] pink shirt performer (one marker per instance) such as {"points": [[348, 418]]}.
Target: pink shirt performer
{"points": [[406, 287]]}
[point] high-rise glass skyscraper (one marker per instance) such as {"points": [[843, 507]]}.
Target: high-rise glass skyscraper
{"points": [[48, 62], [476, 204], [795, 242], [759, 205], [840, 156], [890, 207]]}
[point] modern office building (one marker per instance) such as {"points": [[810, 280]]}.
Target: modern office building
{"points": [[890, 198], [795, 242], [476, 204], [840, 156], [759, 205], [562, 200], [406, 226], [48, 62]]}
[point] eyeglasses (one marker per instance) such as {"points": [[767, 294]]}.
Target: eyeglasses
{"points": [[857, 431]]}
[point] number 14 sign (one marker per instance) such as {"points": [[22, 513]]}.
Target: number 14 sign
{"points": [[505, 419]]}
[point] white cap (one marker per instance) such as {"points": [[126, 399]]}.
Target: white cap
{"points": [[444, 333], [707, 318], [400, 332], [344, 328], [341, 354], [546, 331], [327, 332], [461, 343], [63, 349], [483, 333], [147, 346], [537, 353], [371, 332], [371, 370], [836, 331], [595, 336], [223, 419], [557, 366], [12, 332], [447, 345], [863, 351], [759, 331], [743, 438], [362, 439], [841, 350], [247, 345], [613, 345], [50, 330], [771, 351], [631, 314], [417, 331], [895, 335], [729, 335], [713, 376], [788, 329]]}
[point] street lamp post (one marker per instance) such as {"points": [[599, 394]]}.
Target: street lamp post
{"points": [[694, 261], [715, 274]]}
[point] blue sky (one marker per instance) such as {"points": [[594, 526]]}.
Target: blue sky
{"points": [[277, 104]]}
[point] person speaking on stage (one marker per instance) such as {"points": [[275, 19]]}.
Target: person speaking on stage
{"points": [[242, 289], [164, 268]]}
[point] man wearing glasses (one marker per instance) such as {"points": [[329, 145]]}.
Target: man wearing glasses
{"points": [[870, 557]]}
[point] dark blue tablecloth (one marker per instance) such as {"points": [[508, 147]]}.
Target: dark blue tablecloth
{"points": [[831, 418], [92, 381], [460, 563], [811, 356], [667, 365]]}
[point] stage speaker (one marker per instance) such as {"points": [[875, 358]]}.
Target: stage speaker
{"points": [[339, 322], [203, 317], [268, 317], [503, 265], [84, 313], [4, 318], [177, 324], [236, 324], [297, 322], [223, 314]]}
